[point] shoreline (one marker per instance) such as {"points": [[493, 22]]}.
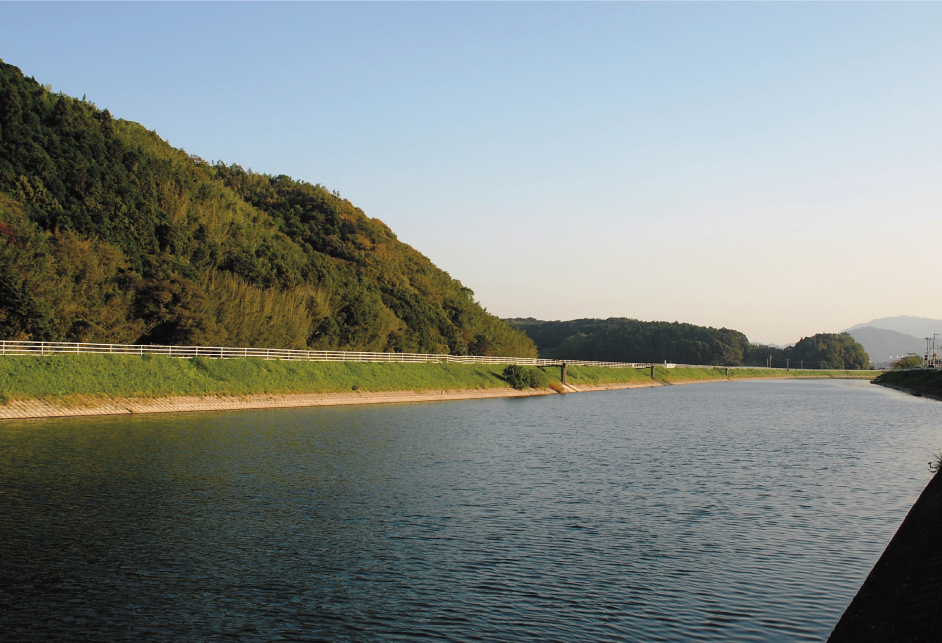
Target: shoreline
{"points": [[91, 407], [901, 598], [34, 409], [909, 391]]}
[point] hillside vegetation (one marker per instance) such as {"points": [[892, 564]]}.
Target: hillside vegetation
{"points": [[629, 340], [109, 234]]}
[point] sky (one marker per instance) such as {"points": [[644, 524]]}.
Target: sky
{"points": [[774, 168]]}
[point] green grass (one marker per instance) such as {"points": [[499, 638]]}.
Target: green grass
{"points": [[916, 382], [105, 376], [600, 375], [73, 379]]}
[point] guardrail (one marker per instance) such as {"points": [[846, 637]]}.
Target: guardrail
{"points": [[9, 347]]}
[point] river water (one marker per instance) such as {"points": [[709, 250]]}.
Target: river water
{"points": [[730, 511]]}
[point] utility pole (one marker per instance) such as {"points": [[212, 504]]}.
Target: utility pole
{"points": [[786, 364]]}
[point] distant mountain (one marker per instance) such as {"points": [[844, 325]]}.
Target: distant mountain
{"points": [[916, 326], [884, 345]]}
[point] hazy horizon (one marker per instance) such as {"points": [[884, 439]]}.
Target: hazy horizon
{"points": [[772, 168]]}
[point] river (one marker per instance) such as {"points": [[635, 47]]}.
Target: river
{"points": [[746, 511]]}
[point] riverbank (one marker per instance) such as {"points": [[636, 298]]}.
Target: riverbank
{"points": [[183, 404], [921, 383], [75, 385], [901, 599]]}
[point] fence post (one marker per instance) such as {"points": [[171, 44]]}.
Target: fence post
{"points": [[42, 348]]}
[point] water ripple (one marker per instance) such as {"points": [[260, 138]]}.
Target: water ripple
{"points": [[747, 511]]}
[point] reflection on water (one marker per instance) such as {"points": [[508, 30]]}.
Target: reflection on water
{"points": [[735, 511]]}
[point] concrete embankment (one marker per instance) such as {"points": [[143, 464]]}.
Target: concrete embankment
{"points": [[23, 409], [123, 406], [77, 406], [901, 600]]}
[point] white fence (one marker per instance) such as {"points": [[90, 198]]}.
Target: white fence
{"points": [[8, 347]]}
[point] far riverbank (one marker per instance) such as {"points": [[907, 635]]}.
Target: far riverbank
{"points": [[76, 385], [918, 382]]}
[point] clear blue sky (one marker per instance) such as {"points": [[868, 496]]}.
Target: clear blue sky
{"points": [[774, 168]]}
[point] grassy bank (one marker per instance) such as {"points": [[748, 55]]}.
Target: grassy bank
{"points": [[599, 375], [61, 377], [927, 383], [77, 377]]}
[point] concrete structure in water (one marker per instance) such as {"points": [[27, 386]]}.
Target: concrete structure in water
{"points": [[901, 600]]}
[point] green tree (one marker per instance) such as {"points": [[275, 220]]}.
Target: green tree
{"points": [[178, 241], [631, 340], [911, 360], [830, 351]]}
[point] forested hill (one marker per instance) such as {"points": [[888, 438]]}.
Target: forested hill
{"points": [[619, 339], [630, 340], [108, 234]]}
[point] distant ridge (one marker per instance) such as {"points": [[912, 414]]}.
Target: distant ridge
{"points": [[916, 326], [884, 346]]}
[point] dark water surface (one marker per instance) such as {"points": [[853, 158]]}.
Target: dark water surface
{"points": [[724, 512]]}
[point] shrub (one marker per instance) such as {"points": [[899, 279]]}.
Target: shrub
{"points": [[520, 377], [912, 360], [516, 376], [538, 378]]}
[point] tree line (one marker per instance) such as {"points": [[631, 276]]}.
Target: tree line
{"points": [[630, 340]]}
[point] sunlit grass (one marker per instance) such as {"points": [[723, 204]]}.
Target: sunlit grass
{"points": [[601, 375], [104, 376], [70, 377]]}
